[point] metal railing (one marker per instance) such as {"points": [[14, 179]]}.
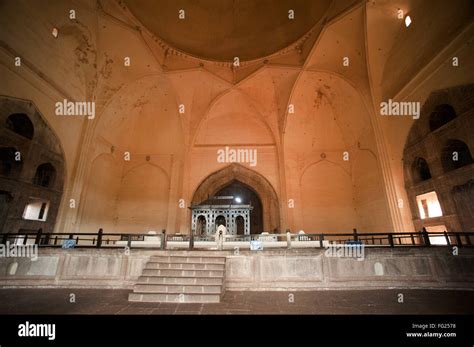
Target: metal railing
{"points": [[275, 240]]}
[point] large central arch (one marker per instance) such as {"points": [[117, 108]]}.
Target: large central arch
{"points": [[235, 172]]}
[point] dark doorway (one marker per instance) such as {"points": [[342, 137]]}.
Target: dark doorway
{"points": [[240, 225], [220, 220], [247, 196], [201, 225]]}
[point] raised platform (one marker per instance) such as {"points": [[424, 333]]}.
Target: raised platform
{"points": [[302, 269]]}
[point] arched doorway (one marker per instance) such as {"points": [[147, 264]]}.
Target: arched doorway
{"points": [[236, 179], [201, 225], [240, 225], [246, 195], [220, 220]]}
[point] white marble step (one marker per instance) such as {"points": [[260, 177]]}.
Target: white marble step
{"points": [[186, 289], [185, 266], [180, 280]]}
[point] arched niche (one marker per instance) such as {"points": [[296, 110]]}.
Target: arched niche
{"points": [[21, 124], [455, 154], [248, 196], [441, 115], [259, 184], [420, 170]]}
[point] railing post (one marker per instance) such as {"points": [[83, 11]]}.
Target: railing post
{"points": [[38, 236], [5, 238], [163, 239], [390, 240], [458, 240], [356, 237], [412, 239], [426, 237], [99, 238], [46, 239], [191, 240], [448, 241], [321, 239], [129, 241], [288, 239], [25, 240]]}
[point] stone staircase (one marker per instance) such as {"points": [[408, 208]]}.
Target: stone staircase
{"points": [[181, 279]]}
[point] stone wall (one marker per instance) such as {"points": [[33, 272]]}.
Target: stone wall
{"points": [[452, 186], [27, 154], [266, 270]]}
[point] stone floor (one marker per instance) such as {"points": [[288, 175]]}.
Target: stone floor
{"points": [[98, 301]]}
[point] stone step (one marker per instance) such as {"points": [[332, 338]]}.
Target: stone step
{"points": [[183, 273], [185, 266], [177, 298], [186, 259], [180, 280], [186, 289]]}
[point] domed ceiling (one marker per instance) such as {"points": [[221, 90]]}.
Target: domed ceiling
{"points": [[222, 30]]}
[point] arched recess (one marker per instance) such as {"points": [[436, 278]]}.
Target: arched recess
{"points": [[269, 198], [233, 119], [420, 170], [441, 115], [21, 124], [100, 198], [45, 175], [201, 227], [455, 154], [327, 199], [247, 196], [331, 128], [142, 120], [142, 200]]}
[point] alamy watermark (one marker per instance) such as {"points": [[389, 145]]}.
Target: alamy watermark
{"points": [[28, 329], [78, 108], [400, 108], [232, 155], [345, 251], [9, 250]]}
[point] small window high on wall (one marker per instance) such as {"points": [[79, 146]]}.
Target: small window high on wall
{"points": [[45, 175], [36, 209], [428, 205]]}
